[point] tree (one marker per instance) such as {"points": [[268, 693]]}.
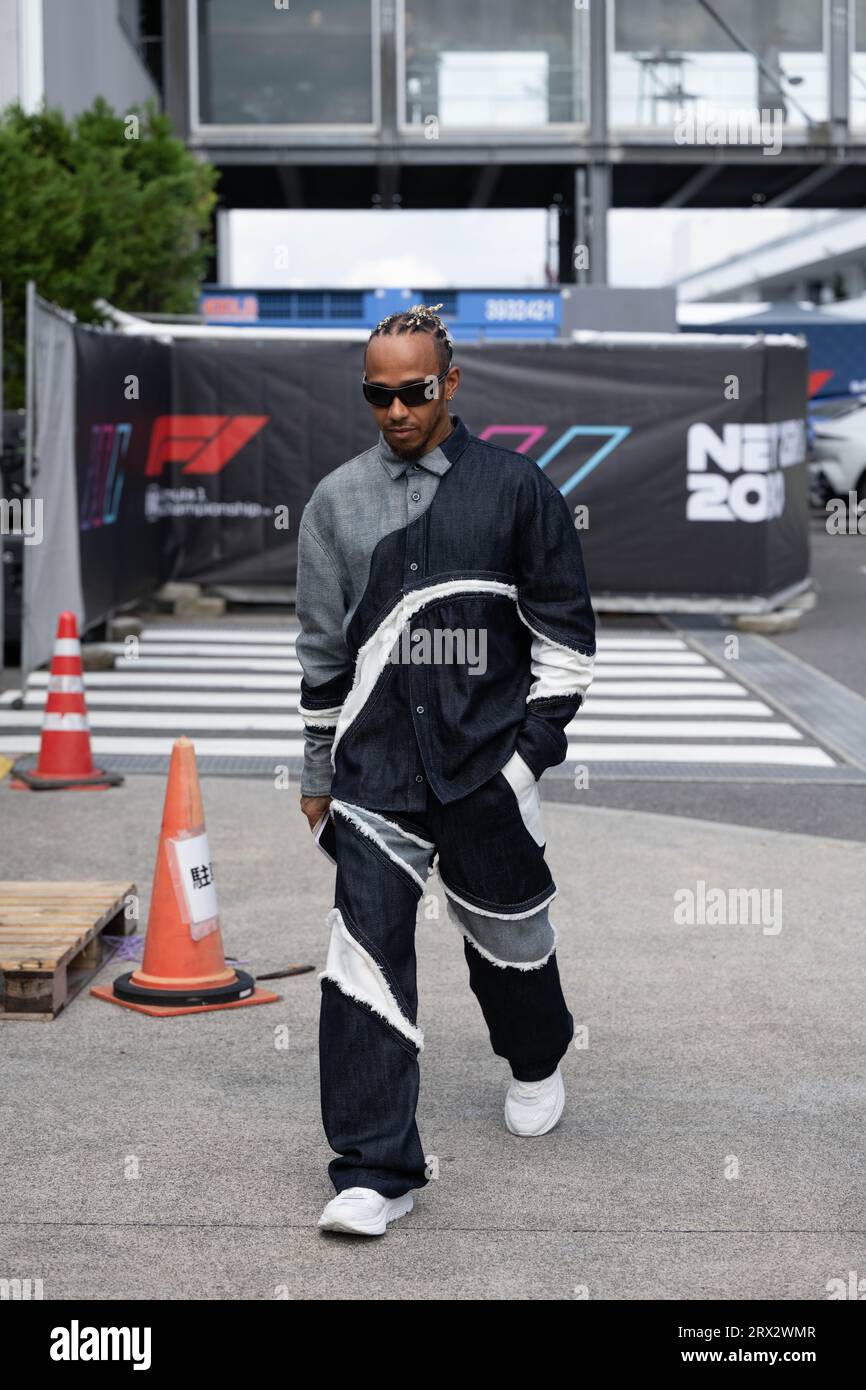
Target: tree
{"points": [[103, 206]]}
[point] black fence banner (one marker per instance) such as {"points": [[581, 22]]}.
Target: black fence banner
{"points": [[123, 387], [683, 457]]}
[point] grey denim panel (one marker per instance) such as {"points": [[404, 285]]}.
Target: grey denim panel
{"points": [[354, 507], [396, 840], [319, 605], [349, 512], [320, 647], [518, 942], [317, 773]]}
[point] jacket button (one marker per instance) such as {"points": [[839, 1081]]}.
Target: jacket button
{"points": [[419, 709], [418, 777], [414, 565], [416, 497]]}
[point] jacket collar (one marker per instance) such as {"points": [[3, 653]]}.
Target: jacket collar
{"points": [[438, 460]]}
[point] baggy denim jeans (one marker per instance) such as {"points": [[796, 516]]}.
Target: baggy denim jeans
{"points": [[490, 851]]}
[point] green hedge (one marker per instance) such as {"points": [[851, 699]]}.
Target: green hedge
{"points": [[93, 208]]}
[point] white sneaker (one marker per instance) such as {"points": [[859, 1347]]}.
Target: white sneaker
{"points": [[534, 1107], [361, 1211]]}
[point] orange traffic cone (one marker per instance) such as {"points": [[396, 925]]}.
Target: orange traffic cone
{"points": [[184, 969], [65, 761]]}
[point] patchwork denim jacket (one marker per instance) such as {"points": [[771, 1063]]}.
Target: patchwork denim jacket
{"points": [[446, 623]]}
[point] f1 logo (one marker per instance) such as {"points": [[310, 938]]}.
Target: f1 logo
{"points": [[202, 443]]}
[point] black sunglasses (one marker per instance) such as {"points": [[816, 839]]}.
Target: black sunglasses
{"points": [[413, 393]]}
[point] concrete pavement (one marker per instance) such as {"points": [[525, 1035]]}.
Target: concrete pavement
{"points": [[712, 1050]]}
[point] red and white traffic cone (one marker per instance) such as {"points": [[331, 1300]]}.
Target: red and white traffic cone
{"points": [[65, 761], [184, 970]]}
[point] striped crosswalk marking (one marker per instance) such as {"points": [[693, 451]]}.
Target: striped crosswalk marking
{"points": [[234, 690], [696, 753], [279, 749], [165, 680], [230, 721], [121, 697]]}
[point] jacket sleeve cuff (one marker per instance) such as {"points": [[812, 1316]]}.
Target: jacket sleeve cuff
{"points": [[317, 774], [541, 743]]}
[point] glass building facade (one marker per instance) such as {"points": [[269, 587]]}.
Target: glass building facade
{"points": [[308, 65], [671, 57], [504, 66], [516, 66]]}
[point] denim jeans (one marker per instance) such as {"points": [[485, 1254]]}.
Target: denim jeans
{"points": [[489, 851]]}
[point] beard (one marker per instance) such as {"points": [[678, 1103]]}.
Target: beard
{"points": [[409, 452]]}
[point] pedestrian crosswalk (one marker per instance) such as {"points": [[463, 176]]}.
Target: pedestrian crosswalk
{"points": [[654, 702]]}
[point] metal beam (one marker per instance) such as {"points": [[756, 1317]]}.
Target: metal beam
{"points": [[388, 71], [696, 184], [600, 181], [175, 70], [599, 169], [354, 151], [488, 177], [567, 236], [597, 72], [291, 187], [803, 186], [580, 275], [388, 183], [840, 30]]}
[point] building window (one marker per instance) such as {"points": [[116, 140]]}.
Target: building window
{"points": [[141, 20], [507, 66], [676, 63], [310, 64]]}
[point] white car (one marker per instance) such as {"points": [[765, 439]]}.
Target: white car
{"points": [[837, 463]]}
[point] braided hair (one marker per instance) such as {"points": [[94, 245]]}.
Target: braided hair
{"points": [[421, 318]]}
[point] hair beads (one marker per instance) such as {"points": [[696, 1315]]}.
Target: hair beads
{"points": [[420, 318]]}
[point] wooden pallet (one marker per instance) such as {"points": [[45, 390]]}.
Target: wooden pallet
{"points": [[51, 941]]}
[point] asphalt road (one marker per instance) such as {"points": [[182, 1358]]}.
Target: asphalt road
{"points": [[711, 1145]]}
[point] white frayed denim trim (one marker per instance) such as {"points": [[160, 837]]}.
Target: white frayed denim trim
{"points": [[560, 671], [572, 651], [343, 809], [494, 960], [372, 657], [485, 912], [374, 991], [570, 694], [320, 718], [377, 815]]}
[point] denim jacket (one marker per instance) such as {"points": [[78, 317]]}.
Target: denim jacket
{"points": [[445, 623]]}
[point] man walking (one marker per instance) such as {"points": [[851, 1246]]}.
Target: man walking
{"points": [[447, 640]]}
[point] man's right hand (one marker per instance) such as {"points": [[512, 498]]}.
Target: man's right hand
{"points": [[314, 807]]}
